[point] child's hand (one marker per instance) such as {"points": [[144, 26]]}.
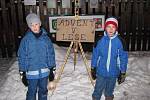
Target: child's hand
{"points": [[23, 78], [51, 85], [93, 73], [121, 78]]}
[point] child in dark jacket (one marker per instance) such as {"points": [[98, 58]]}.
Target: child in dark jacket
{"points": [[109, 61], [36, 59]]}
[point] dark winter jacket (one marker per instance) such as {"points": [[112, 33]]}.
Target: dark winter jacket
{"points": [[36, 55], [109, 56]]}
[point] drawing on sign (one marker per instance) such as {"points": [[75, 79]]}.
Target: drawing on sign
{"points": [[54, 24], [98, 23]]}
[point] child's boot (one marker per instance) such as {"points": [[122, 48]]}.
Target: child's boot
{"points": [[93, 98], [109, 98]]}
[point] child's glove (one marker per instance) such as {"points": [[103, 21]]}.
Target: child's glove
{"points": [[121, 78], [23, 78], [93, 73], [51, 74]]}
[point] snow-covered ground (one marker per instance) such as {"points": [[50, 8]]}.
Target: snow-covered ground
{"points": [[5, 64], [75, 85]]}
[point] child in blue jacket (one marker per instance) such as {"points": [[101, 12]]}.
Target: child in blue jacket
{"points": [[109, 61], [36, 59]]}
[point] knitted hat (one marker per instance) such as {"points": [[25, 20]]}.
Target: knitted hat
{"points": [[111, 20], [32, 18]]}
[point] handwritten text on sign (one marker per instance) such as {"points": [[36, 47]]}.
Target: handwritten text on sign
{"points": [[82, 30]]}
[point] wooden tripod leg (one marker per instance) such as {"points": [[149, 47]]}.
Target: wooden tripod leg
{"points": [[62, 67], [85, 62]]}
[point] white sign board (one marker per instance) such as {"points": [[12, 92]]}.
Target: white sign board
{"points": [[99, 21], [29, 2]]}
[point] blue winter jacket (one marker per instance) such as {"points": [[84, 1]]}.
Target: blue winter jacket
{"points": [[109, 56], [36, 55]]}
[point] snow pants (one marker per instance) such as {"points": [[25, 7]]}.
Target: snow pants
{"points": [[106, 84], [39, 85]]}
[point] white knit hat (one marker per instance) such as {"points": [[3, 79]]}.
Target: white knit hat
{"points": [[111, 20], [32, 18]]}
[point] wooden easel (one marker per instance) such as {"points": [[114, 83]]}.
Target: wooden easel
{"points": [[75, 45]]}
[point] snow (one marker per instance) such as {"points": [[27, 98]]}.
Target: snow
{"points": [[75, 84]]}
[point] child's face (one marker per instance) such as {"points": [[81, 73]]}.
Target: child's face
{"points": [[35, 27], [110, 29]]}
